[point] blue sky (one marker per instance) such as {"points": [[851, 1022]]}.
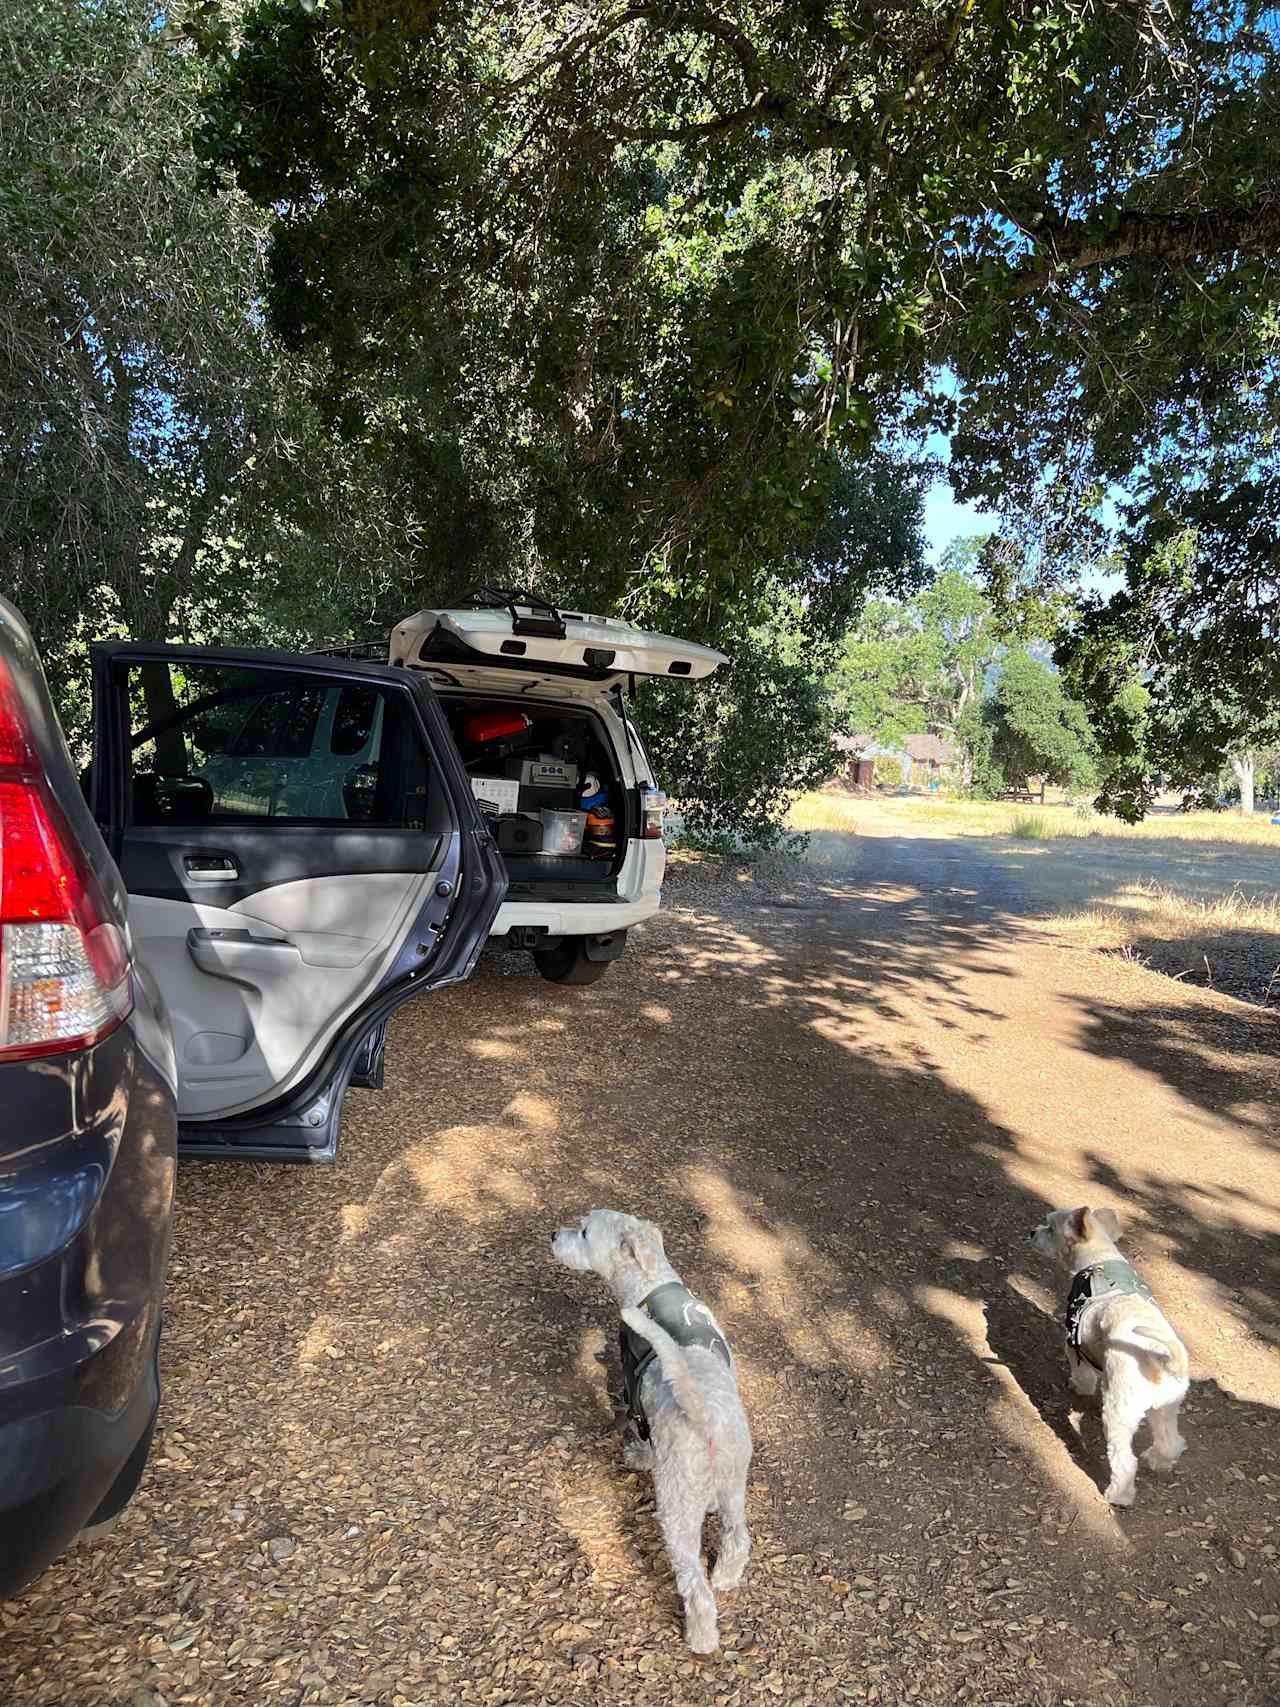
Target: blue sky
{"points": [[944, 518]]}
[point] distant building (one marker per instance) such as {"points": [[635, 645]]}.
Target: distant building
{"points": [[860, 755], [927, 756], [923, 758]]}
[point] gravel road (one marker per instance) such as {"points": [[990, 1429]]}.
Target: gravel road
{"points": [[388, 1473]]}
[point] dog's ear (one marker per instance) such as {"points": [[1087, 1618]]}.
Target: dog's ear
{"points": [[1107, 1221], [638, 1251], [1078, 1225]]}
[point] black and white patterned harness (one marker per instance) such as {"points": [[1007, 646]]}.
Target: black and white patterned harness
{"points": [[687, 1319], [1113, 1278]]}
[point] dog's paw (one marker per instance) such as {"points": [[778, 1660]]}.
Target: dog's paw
{"points": [[726, 1576], [701, 1637], [1161, 1462], [637, 1454], [1120, 1493]]}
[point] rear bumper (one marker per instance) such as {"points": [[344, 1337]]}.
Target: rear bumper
{"points": [[89, 1173], [575, 918], [637, 896], [55, 1470]]}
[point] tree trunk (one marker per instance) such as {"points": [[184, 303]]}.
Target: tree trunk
{"points": [[1242, 765]]}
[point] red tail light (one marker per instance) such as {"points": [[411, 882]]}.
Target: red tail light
{"points": [[64, 967]]}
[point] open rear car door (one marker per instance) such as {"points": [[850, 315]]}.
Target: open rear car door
{"points": [[501, 628], [302, 853]]}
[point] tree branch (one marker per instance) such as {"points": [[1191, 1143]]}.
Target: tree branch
{"points": [[670, 19], [696, 127], [1157, 237]]}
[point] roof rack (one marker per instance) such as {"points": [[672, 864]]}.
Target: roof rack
{"points": [[373, 650]]}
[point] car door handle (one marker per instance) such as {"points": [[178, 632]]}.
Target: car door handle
{"points": [[210, 868]]}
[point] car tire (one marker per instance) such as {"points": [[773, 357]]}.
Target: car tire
{"points": [[568, 964]]}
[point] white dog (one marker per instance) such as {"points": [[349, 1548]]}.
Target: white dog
{"points": [[1117, 1337], [686, 1423]]}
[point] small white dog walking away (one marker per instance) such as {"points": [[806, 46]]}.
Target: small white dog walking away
{"points": [[1118, 1339], [686, 1422]]}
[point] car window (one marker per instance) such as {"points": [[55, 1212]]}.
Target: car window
{"points": [[216, 742], [353, 720], [282, 725]]}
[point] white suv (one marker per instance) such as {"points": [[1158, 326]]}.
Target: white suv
{"points": [[536, 699]]}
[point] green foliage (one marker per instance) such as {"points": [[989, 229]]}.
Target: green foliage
{"points": [[975, 735], [888, 771], [1268, 773], [638, 306], [873, 682], [1105, 677], [733, 751], [1174, 695], [644, 280], [921, 664], [164, 472], [125, 369], [1036, 728]]}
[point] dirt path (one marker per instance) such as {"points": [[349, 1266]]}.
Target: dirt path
{"points": [[388, 1471]]}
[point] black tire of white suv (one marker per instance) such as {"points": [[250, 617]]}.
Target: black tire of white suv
{"points": [[580, 960]]}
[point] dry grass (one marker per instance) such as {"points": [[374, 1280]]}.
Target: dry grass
{"points": [[930, 815], [1228, 942], [1032, 827], [1191, 895]]}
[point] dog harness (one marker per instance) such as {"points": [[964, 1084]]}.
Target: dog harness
{"points": [[687, 1320], [1111, 1279]]}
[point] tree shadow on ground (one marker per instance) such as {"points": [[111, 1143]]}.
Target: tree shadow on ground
{"points": [[769, 1084], [1029, 1343], [1218, 1058], [1227, 1235]]}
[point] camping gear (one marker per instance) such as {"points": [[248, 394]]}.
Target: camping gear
{"points": [[547, 771], [600, 838], [562, 832], [497, 734], [488, 726], [496, 794], [519, 833]]}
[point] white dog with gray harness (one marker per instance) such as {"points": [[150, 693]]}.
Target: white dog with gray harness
{"points": [[1119, 1341], [685, 1422]]}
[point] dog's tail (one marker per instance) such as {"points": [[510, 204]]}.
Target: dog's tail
{"points": [[1157, 1355], [675, 1368]]}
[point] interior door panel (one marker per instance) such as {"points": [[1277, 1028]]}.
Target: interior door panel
{"points": [[297, 837], [246, 1003]]}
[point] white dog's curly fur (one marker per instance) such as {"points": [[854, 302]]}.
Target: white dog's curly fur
{"points": [[1129, 1351], [699, 1450]]}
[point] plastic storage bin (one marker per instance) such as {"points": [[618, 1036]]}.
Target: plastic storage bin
{"points": [[562, 831]]}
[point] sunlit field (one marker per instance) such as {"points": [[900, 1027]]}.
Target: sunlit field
{"points": [[1193, 895], [928, 815]]}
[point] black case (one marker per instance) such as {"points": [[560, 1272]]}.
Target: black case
{"points": [[554, 799], [519, 833]]}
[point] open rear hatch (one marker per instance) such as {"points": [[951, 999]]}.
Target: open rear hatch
{"points": [[520, 632]]}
